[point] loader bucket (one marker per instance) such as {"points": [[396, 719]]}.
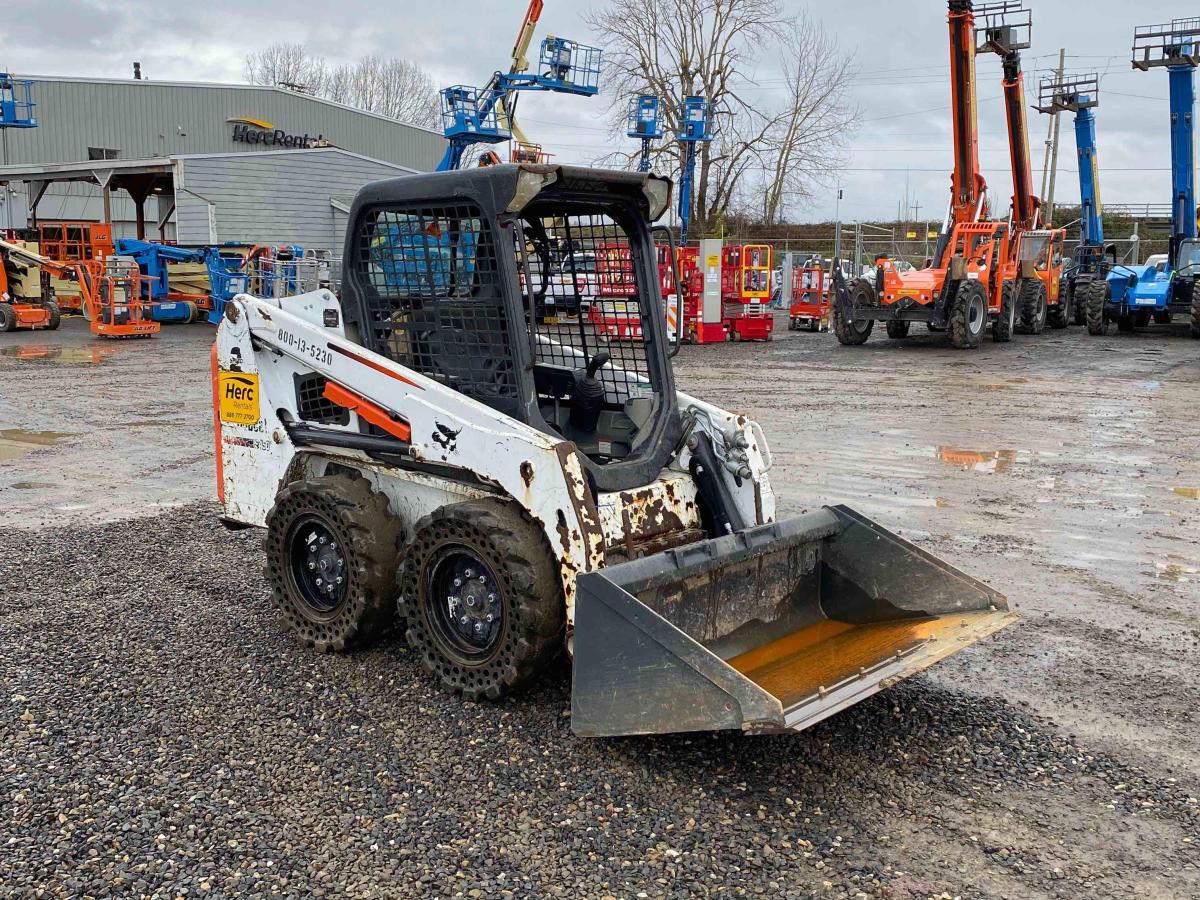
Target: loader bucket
{"points": [[771, 629]]}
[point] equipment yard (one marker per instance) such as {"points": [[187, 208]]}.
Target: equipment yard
{"points": [[164, 737]]}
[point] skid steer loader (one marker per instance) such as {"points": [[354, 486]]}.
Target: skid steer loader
{"points": [[434, 449]]}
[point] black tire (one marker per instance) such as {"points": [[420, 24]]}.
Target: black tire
{"points": [[897, 329], [1194, 330], [1002, 327], [1059, 315], [1031, 306], [514, 620], [968, 314], [814, 325], [1079, 304], [8, 317], [1162, 317], [55, 316], [1095, 302], [1141, 318], [333, 526], [853, 332], [1125, 324], [193, 312]]}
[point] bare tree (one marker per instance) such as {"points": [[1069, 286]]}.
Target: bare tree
{"points": [[676, 48], [391, 87]]}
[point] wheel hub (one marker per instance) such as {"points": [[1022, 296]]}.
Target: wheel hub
{"points": [[318, 565], [471, 600]]}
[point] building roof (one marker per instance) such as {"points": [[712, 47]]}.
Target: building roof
{"points": [[148, 83], [100, 171]]}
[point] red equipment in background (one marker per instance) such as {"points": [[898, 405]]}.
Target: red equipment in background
{"points": [[616, 312], [746, 292], [810, 299]]}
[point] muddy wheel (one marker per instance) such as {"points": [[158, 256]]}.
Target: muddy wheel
{"points": [[1059, 315], [852, 332], [1002, 327], [897, 329], [481, 597], [968, 314], [1031, 303], [1195, 323], [8, 317], [1095, 302], [331, 561], [1079, 305], [55, 316]]}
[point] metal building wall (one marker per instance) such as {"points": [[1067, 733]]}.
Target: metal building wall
{"points": [[271, 198], [146, 118]]}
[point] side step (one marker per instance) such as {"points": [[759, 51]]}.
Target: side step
{"points": [[774, 628]]}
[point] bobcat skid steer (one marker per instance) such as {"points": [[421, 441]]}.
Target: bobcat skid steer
{"points": [[443, 448]]}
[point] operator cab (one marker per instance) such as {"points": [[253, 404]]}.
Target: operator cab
{"points": [[1188, 259], [486, 294]]}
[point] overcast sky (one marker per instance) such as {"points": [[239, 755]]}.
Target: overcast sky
{"points": [[900, 52]]}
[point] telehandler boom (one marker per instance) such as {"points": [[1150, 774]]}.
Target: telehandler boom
{"points": [[428, 449]]}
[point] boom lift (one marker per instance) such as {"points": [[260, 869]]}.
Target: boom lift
{"points": [[112, 292], [487, 115], [693, 130], [1093, 262], [25, 302], [962, 287], [538, 487], [644, 125], [154, 259], [1034, 268], [1160, 290]]}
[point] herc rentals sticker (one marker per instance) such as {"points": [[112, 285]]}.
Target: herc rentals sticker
{"points": [[238, 392]]}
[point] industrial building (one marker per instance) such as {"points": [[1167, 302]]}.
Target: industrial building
{"points": [[200, 163]]}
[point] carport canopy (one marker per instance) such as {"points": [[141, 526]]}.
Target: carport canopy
{"points": [[140, 178]]}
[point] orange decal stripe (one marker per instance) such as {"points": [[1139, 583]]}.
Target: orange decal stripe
{"points": [[368, 411], [216, 395]]}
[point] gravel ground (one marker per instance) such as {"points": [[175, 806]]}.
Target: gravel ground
{"points": [[164, 738]]}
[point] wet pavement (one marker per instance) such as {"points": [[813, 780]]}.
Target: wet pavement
{"points": [[1064, 470]]}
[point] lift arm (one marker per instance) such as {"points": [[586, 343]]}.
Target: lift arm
{"points": [[1176, 46], [1005, 30], [968, 188], [1080, 95]]}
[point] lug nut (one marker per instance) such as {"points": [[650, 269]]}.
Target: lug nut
{"points": [[483, 579], [458, 582], [319, 582], [490, 617], [311, 564], [469, 573]]}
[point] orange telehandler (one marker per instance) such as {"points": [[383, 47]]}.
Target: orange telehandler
{"points": [[1035, 259], [963, 286]]}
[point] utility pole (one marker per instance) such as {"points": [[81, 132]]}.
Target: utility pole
{"points": [[837, 226], [1050, 166]]}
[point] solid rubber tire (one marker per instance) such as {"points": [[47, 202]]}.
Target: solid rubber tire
{"points": [[897, 329], [516, 552], [8, 317], [55, 316], [369, 536]]}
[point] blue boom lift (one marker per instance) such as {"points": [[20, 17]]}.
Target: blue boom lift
{"points": [[645, 126], [165, 305], [487, 115], [1094, 263], [16, 102], [693, 118], [1162, 288]]}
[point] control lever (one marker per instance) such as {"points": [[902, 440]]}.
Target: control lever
{"points": [[587, 396]]}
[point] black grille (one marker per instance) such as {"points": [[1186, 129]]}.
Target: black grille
{"points": [[589, 294], [433, 299], [312, 404]]}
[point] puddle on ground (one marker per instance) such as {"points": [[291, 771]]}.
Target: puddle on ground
{"points": [[16, 442], [1190, 492], [50, 353], [977, 460]]}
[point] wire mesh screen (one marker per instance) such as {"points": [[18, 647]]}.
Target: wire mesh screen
{"points": [[589, 295], [434, 302]]}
